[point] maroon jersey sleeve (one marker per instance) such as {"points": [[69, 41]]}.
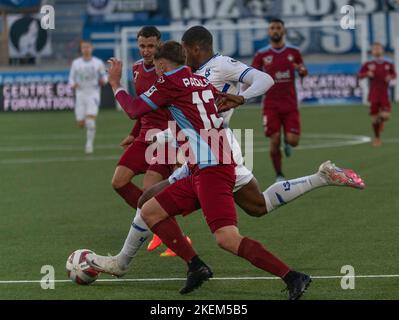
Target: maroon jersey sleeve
{"points": [[363, 71], [134, 107], [392, 72], [257, 62], [160, 94], [302, 71]]}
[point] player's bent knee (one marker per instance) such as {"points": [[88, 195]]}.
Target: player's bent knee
{"points": [[118, 182], [292, 140], [385, 116], [293, 143], [228, 238], [152, 213], [122, 176]]}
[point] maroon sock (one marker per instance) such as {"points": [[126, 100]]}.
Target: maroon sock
{"points": [[172, 236], [276, 159], [130, 193], [376, 128], [255, 253]]}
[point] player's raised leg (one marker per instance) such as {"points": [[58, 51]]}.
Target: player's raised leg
{"points": [[257, 203]]}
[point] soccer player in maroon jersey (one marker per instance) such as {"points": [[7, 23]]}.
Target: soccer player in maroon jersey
{"points": [[190, 99], [380, 72], [133, 161], [280, 104]]}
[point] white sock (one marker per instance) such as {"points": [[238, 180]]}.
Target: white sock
{"points": [[283, 192], [138, 234], [90, 131]]}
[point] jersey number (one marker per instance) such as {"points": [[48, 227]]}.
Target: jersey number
{"points": [[207, 96]]}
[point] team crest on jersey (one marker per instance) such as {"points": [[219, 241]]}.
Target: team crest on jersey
{"points": [[150, 91], [387, 67], [290, 58], [268, 59], [161, 79], [371, 66], [207, 72]]}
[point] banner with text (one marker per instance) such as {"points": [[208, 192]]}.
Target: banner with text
{"points": [[42, 91]]}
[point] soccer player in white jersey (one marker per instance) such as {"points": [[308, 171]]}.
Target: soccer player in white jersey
{"points": [[225, 73], [87, 75]]}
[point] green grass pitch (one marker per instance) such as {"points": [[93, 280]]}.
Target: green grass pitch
{"points": [[54, 200]]}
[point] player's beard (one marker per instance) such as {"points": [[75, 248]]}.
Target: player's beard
{"points": [[276, 38]]}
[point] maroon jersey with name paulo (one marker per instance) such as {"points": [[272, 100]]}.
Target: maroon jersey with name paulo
{"points": [[381, 69], [280, 65], [144, 77], [191, 103]]}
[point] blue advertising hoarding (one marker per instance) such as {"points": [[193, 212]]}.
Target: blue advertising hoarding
{"points": [[42, 91]]}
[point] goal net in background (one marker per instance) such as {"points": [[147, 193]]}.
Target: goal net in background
{"points": [[332, 79]]}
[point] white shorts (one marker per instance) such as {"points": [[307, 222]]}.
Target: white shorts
{"points": [[243, 177], [87, 104], [243, 174]]}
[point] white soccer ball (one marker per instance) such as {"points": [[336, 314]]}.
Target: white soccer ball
{"points": [[78, 270]]}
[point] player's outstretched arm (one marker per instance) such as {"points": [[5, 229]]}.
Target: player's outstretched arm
{"points": [[256, 83], [134, 107]]}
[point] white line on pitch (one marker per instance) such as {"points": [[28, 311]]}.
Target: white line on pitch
{"points": [[213, 279]]}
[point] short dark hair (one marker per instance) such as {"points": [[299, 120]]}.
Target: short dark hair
{"points": [[84, 41], [377, 43], [277, 20], [171, 51], [149, 31], [200, 36]]}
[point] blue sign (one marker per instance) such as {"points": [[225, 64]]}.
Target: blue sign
{"points": [[19, 4], [329, 83]]}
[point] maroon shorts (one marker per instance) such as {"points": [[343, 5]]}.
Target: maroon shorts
{"points": [[134, 158], [273, 120], [210, 189], [380, 106]]}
